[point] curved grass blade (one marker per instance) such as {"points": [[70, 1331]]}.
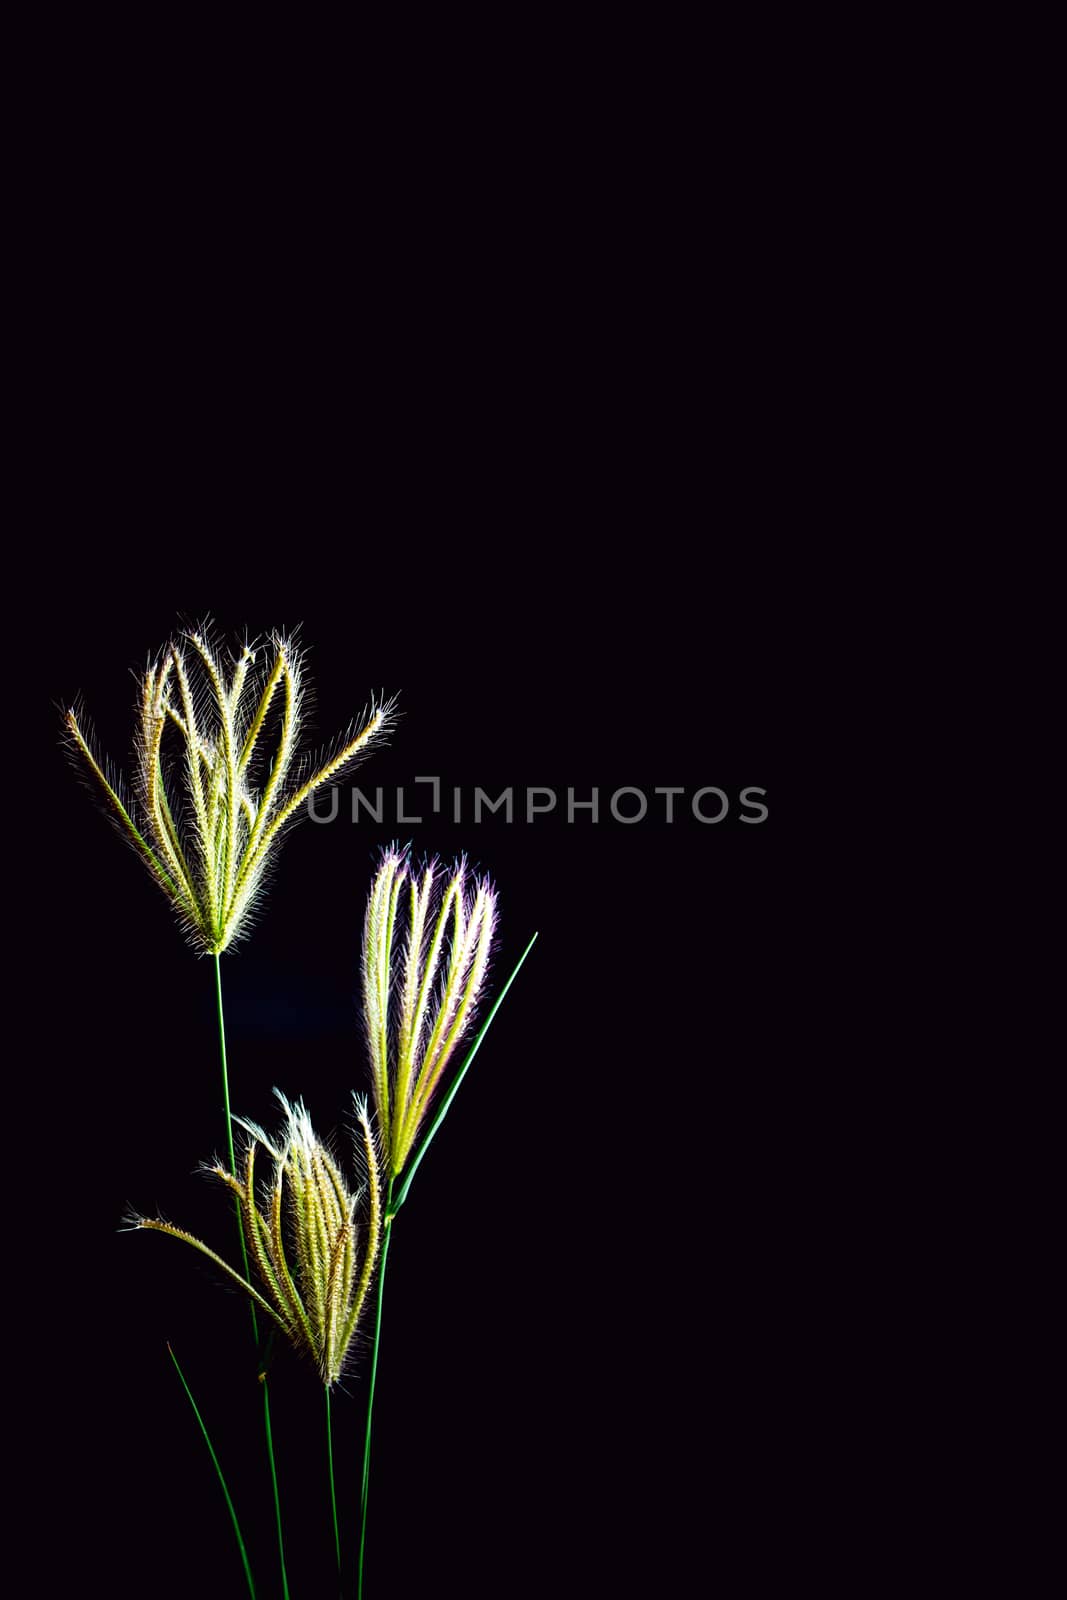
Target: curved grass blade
{"points": [[218, 1469], [399, 1199]]}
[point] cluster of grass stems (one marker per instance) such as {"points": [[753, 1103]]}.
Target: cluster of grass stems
{"points": [[211, 800], [396, 1193]]}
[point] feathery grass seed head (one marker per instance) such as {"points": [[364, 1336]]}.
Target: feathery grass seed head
{"points": [[212, 793], [313, 1241], [427, 938]]}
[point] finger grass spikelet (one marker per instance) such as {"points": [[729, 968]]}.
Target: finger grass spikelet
{"points": [[426, 944], [313, 1241], [212, 794]]}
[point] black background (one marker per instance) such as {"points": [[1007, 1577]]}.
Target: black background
{"points": [[602, 463], [607, 1303]]}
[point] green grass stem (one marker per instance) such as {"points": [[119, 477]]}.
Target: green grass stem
{"points": [[333, 1486], [392, 1206], [244, 1259], [373, 1379]]}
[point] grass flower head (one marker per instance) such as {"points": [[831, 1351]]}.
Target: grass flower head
{"points": [[426, 944], [313, 1241], [213, 794]]}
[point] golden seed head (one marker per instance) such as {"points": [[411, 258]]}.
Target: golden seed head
{"points": [[313, 1241], [207, 823], [425, 959]]}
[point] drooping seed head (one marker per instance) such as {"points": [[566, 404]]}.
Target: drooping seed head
{"points": [[313, 1241]]}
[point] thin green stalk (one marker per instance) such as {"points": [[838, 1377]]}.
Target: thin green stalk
{"points": [[333, 1488], [274, 1486], [222, 1480], [391, 1208], [244, 1259], [229, 1131], [373, 1377]]}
